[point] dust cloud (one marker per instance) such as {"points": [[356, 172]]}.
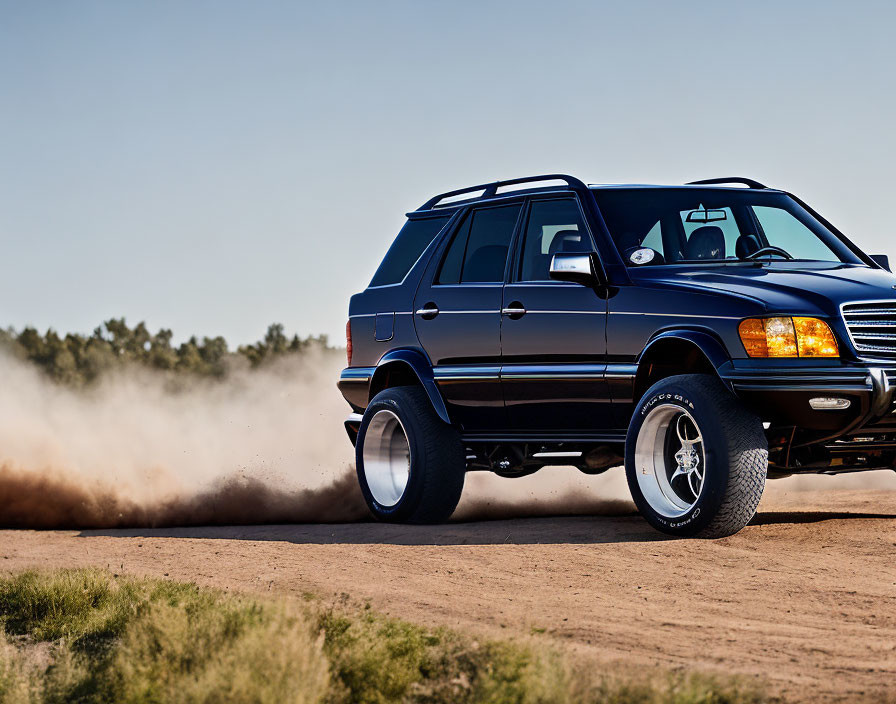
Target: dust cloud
{"points": [[261, 447]]}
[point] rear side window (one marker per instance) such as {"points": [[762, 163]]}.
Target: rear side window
{"points": [[414, 237], [478, 253]]}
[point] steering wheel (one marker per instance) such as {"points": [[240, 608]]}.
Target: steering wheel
{"points": [[769, 250]]}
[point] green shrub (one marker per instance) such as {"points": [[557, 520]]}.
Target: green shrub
{"points": [[87, 636]]}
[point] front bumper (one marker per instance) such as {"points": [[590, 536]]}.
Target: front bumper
{"points": [[781, 396]]}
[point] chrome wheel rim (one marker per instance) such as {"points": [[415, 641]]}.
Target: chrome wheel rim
{"points": [[670, 461], [387, 458]]}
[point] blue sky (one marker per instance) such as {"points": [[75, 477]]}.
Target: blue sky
{"points": [[216, 166]]}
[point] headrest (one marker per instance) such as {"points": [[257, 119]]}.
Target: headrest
{"points": [[707, 242], [566, 241]]}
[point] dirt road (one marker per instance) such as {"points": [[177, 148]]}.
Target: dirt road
{"points": [[804, 597]]}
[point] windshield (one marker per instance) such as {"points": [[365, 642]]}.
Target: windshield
{"points": [[652, 226]]}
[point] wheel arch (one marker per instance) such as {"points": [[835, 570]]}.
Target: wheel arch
{"points": [[680, 351], [408, 367]]}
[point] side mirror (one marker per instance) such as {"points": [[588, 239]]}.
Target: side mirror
{"points": [[577, 267], [882, 260]]}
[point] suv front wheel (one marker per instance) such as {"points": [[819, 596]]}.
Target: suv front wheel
{"points": [[410, 463], [695, 459]]}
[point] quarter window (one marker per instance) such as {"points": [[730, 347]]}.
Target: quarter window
{"points": [[410, 243], [554, 226], [478, 253]]}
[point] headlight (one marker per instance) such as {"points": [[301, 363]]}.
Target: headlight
{"points": [[788, 337]]}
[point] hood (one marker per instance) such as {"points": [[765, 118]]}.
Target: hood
{"points": [[786, 287]]}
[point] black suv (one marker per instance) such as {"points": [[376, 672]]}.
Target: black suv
{"points": [[707, 336]]}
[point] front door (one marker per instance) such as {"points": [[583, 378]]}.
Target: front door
{"points": [[553, 333], [458, 316]]}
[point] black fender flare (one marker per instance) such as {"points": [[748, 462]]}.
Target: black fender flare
{"points": [[708, 344], [420, 365]]}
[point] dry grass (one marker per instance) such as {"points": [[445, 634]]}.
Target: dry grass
{"points": [[87, 636]]}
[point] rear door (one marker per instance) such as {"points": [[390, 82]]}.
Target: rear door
{"points": [[458, 315], [553, 333]]}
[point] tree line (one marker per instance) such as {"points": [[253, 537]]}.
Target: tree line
{"points": [[79, 360]]}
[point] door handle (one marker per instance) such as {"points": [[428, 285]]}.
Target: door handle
{"points": [[514, 310], [429, 311]]}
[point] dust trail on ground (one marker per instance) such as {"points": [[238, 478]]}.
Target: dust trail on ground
{"points": [[48, 500], [259, 447], [552, 491], [882, 479], [798, 491]]}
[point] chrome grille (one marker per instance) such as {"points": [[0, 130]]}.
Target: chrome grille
{"points": [[872, 327]]}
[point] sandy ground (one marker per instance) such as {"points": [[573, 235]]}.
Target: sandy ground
{"points": [[804, 597]]}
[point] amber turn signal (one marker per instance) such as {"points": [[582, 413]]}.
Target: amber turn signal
{"points": [[788, 337]]}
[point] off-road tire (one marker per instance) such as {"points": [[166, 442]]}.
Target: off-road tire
{"points": [[437, 459], [736, 452]]}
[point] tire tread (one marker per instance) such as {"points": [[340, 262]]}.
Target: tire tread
{"points": [[440, 470]]}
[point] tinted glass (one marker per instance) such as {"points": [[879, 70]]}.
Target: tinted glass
{"points": [[725, 223], [715, 224], [553, 226], [414, 237], [782, 229], [478, 253], [453, 262]]}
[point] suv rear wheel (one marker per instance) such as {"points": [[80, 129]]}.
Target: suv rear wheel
{"points": [[410, 462], [695, 458]]}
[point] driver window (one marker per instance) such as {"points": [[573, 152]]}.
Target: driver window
{"points": [[554, 226]]}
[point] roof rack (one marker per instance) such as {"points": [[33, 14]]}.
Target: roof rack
{"points": [[490, 190], [731, 179]]}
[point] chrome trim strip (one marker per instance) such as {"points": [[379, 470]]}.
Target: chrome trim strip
{"points": [[542, 282], [354, 418], [356, 374], [459, 377], [553, 372], [384, 312], [677, 315], [571, 312], [572, 376], [469, 373], [621, 370], [571, 453]]}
